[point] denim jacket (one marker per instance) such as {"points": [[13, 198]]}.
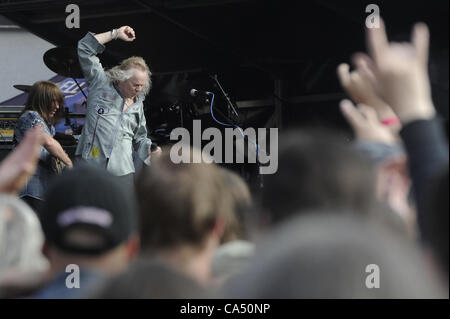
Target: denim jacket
{"points": [[36, 184], [109, 134]]}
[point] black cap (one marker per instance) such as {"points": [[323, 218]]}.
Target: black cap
{"points": [[93, 201]]}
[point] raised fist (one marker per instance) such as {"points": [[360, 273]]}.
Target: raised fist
{"points": [[126, 33]]}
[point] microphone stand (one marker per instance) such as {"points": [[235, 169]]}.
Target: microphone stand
{"points": [[231, 108], [229, 103], [76, 82]]}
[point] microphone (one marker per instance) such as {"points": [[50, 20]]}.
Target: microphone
{"points": [[195, 93]]}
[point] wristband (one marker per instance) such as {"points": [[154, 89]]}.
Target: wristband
{"points": [[390, 121], [114, 37]]}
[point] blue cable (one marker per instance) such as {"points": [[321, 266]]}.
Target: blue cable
{"points": [[212, 113], [230, 125]]}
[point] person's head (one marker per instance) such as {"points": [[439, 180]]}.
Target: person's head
{"points": [[150, 279], [89, 218], [181, 205], [132, 76], [236, 223], [47, 99], [21, 239], [324, 255], [318, 170]]}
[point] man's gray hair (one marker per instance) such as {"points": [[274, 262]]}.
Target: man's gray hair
{"points": [[124, 71], [21, 238]]}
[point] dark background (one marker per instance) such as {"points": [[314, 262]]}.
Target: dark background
{"points": [[278, 56], [249, 44]]}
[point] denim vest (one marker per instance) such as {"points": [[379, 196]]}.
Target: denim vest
{"points": [[38, 183]]}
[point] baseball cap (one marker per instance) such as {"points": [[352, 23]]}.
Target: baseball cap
{"points": [[88, 211]]}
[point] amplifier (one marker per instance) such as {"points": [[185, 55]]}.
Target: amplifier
{"points": [[8, 119]]}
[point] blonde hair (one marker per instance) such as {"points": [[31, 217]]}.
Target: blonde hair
{"points": [[123, 72]]}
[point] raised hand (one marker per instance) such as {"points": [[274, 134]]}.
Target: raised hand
{"points": [[21, 163], [400, 73], [365, 123], [126, 33], [358, 85]]}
